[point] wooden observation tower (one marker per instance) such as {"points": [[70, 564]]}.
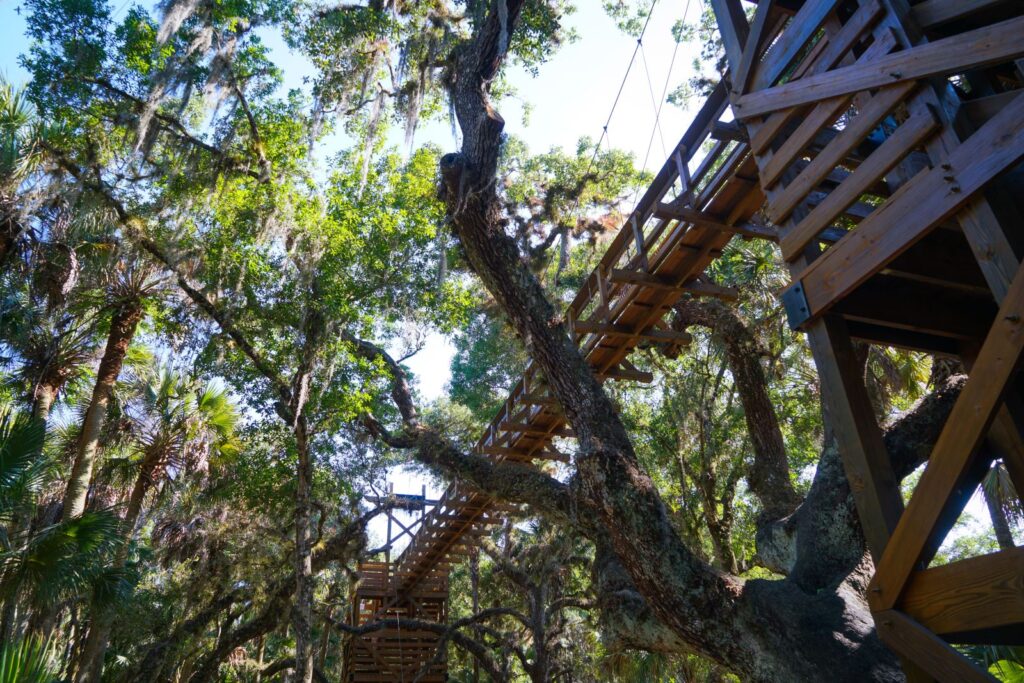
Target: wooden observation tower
{"points": [[879, 142]]}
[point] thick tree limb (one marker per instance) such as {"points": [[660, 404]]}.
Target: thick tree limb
{"points": [[769, 476]]}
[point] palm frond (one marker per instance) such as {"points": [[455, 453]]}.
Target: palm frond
{"points": [[30, 660]]}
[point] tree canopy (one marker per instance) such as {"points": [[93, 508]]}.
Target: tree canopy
{"points": [[211, 287]]}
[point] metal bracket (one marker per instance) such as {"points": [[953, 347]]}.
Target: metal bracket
{"points": [[795, 303]]}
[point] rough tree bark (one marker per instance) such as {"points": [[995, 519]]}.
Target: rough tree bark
{"points": [[123, 324]]}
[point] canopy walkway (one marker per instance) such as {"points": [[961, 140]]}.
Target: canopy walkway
{"points": [[879, 143]]}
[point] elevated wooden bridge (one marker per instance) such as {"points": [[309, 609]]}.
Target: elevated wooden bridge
{"points": [[879, 142]]}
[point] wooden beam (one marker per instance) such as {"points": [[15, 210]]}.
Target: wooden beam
{"points": [[695, 287], [924, 648], [980, 47], [934, 12], [911, 305], [975, 593], [752, 48], [834, 153], [837, 47], [524, 453], [526, 428], [733, 29], [538, 399], [917, 207], [954, 452], [631, 375], [981, 109], [790, 44], [865, 460], [687, 215], [651, 334]]}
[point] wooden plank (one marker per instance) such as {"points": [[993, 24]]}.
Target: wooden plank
{"points": [[525, 454], [988, 242], [690, 215], [701, 287], [752, 48], [934, 12], [822, 115], [630, 375], [918, 206], [924, 648], [837, 48], [865, 460], [527, 428], [696, 287], [975, 593], [953, 454], [956, 54], [804, 26], [835, 151], [538, 399], [898, 145]]}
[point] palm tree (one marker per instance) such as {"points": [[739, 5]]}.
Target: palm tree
{"points": [[127, 295], [40, 567], [20, 151], [179, 426], [50, 348]]}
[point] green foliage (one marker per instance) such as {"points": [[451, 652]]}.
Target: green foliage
{"points": [[29, 660]]}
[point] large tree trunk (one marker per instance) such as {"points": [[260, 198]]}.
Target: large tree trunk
{"points": [[122, 329], [763, 630], [1000, 523]]}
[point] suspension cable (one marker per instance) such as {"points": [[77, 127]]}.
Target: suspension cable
{"points": [[615, 103]]}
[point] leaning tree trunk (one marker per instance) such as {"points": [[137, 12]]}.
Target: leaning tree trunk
{"points": [[1000, 523], [122, 329], [42, 399]]}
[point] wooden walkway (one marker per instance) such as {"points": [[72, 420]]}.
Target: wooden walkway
{"points": [[883, 139]]}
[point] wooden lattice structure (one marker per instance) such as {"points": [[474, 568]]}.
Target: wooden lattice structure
{"points": [[888, 138], [396, 654], [879, 143]]}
